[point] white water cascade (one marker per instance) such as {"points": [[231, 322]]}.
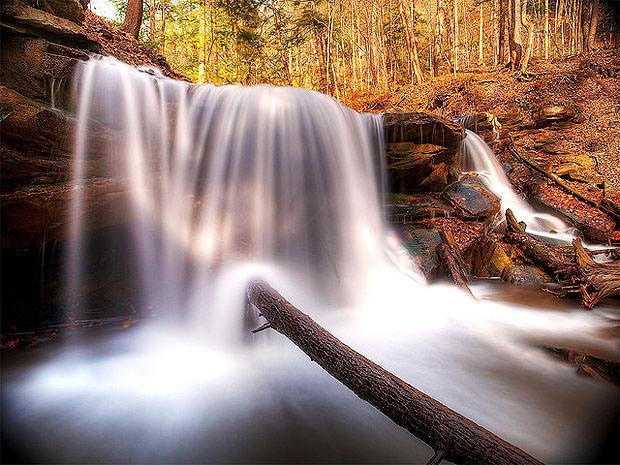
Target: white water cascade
{"points": [[477, 156], [224, 184], [283, 178]]}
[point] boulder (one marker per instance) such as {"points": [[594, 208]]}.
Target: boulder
{"points": [[73, 10], [579, 168], [487, 258], [511, 121], [526, 275], [410, 208], [421, 243], [556, 116], [422, 238], [485, 125], [464, 233], [471, 199], [18, 17]]}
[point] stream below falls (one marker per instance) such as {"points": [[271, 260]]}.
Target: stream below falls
{"points": [[154, 394]]}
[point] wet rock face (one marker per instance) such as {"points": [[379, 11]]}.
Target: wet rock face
{"points": [[471, 199], [595, 224], [73, 10], [421, 151], [422, 128], [487, 258], [548, 139]]}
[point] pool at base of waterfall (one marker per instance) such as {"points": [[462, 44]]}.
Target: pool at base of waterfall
{"points": [[161, 394]]}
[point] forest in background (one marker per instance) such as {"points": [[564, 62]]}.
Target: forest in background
{"points": [[342, 46]]}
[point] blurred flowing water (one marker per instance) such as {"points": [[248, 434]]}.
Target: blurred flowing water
{"points": [[477, 156], [226, 184]]}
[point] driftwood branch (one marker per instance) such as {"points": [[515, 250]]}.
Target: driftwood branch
{"points": [[458, 439], [562, 184], [451, 257]]}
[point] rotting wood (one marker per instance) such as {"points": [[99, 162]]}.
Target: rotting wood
{"points": [[460, 439], [451, 257], [588, 365], [573, 267], [599, 280], [556, 259]]}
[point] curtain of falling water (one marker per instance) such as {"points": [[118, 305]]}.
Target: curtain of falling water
{"points": [[218, 176], [477, 156]]}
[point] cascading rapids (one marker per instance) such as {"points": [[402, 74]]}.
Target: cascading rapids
{"points": [[219, 176], [477, 156]]}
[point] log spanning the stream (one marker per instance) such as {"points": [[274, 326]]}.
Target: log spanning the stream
{"points": [[453, 436]]}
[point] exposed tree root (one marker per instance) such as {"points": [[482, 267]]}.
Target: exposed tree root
{"points": [[598, 280]]}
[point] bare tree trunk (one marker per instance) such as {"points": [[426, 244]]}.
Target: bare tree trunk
{"points": [[133, 18], [455, 44], [329, 46], [465, 30], [163, 29], [593, 25], [496, 33], [480, 38], [412, 47], [501, 38], [202, 42], [152, 21], [529, 25], [514, 34], [562, 6], [440, 24], [281, 45], [546, 29]]}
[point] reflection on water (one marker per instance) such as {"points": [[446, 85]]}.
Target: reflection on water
{"points": [[162, 395]]}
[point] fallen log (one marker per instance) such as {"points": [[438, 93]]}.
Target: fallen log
{"points": [[454, 437], [556, 259], [563, 185], [574, 268], [588, 365]]}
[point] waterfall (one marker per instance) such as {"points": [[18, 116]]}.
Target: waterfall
{"points": [[219, 185], [283, 178], [477, 156]]}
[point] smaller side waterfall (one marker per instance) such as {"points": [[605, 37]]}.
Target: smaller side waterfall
{"points": [[477, 156]]}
